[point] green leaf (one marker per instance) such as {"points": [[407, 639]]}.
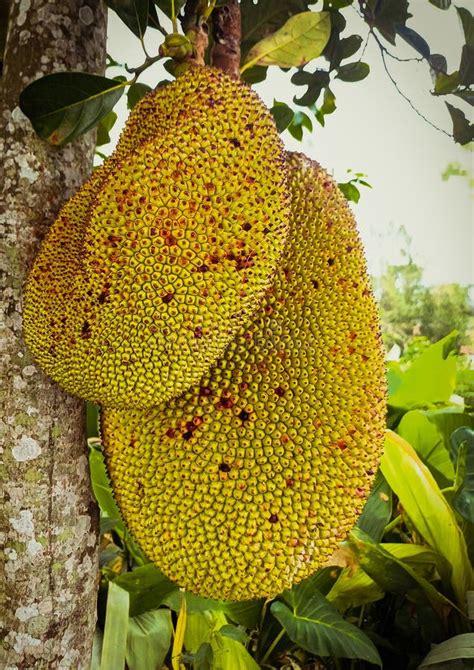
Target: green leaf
{"points": [[100, 482], [282, 114], [392, 574], [166, 6], [462, 454], [105, 126], [64, 105], [204, 657], [458, 647], [463, 131], [116, 626], [446, 83], [353, 71], [96, 649], [322, 581], [230, 654], [135, 93], [147, 588], [387, 16], [134, 13], [467, 22], [378, 509], [427, 509], [466, 67], [348, 46], [430, 379], [246, 613], [415, 40], [319, 628], [148, 639], [255, 75], [427, 441], [353, 589], [351, 191], [234, 633], [300, 120], [441, 4], [302, 38], [315, 81], [264, 18]]}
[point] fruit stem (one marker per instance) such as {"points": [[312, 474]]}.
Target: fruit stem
{"points": [[227, 33]]}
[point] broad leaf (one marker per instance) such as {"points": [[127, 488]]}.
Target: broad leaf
{"points": [[246, 613], [467, 22], [353, 589], [228, 653], [462, 454], [166, 6], [427, 509], [427, 441], [350, 191], [265, 17], [100, 482], [322, 581], [116, 626], [64, 105], [282, 115], [446, 83], [302, 38], [234, 632], [148, 639], [353, 71], [458, 647], [430, 379], [300, 120], [135, 93], [415, 40], [377, 510], [392, 574], [316, 83], [103, 129], [466, 67], [147, 587], [319, 628], [134, 13], [387, 16], [349, 46], [463, 131]]}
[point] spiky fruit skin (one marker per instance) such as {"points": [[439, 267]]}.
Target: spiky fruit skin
{"points": [[246, 484], [155, 264]]}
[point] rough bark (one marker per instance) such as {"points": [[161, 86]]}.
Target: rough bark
{"points": [[48, 519], [226, 31]]}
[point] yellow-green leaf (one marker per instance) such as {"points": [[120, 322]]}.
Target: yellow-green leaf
{"points": [[427, 509], [302, 38]]}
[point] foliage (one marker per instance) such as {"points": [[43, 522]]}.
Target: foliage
{"points": [[412, 312], [397, 586], [286, 34]]}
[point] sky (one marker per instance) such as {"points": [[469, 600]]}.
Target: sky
{"points": [[375, 131]]}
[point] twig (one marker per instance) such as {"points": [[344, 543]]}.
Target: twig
{"points": [[136, 71], [226, 31], [405, 97]]}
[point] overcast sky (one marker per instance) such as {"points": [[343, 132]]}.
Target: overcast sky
{"points": [[374, 131]]}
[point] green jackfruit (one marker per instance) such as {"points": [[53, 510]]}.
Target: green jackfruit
{"points": [[154, 265], [246, 484]]}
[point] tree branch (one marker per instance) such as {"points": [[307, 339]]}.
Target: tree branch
{"points": [[195, 27], [226, 31]]}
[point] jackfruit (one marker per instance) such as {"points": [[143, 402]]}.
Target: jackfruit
{"points": [[246, 484], [154, 265]]}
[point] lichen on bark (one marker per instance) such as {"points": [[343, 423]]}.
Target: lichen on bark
{"points": [[48, 520]]}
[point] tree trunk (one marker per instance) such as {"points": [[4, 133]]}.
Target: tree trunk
{"points": [[49, 521]]}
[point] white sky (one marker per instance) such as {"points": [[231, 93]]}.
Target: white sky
{"points": [[374, 131]]}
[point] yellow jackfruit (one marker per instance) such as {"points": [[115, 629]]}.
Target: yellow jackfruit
{"points": [[155, 264], [245, 484]]}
